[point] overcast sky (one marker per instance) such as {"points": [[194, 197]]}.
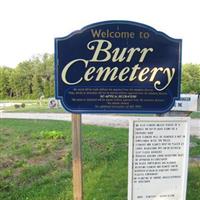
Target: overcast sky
{"points": [[28, 27]]}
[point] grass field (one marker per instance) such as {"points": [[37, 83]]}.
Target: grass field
{"points": [[35, 162], [195, 115], [195, 150], [36, 106]]}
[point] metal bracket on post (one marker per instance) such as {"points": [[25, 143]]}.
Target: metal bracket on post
{"points": [[77, 157]]}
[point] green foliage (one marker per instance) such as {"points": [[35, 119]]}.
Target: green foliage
{"points": [[195, 150], [52, 134], [195, 115], [23, 105], [30, 79], [34, 167], [193, 192], [46, 172], [191, 78], [5, 87]]}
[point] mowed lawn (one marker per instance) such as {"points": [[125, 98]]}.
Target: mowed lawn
{"points": [[36, 162]]}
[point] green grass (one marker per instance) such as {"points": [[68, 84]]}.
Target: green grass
{"points": [[195, 115], [193, 192], [34, 106], [22, 100], [35, 162], [195, 150], [34, 109]]}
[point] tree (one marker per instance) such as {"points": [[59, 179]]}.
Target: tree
{"points": [[30, 79], [37, 87], [5, 89], [191, 78], [24, 72]]}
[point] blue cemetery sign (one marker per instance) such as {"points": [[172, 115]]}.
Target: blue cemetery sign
{"points": [[117, 67]]}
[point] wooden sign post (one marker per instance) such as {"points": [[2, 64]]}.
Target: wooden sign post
{"points": [[77, 157]]}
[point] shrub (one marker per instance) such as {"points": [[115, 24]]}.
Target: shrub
{"points": [[16, 106], [23, 105]]}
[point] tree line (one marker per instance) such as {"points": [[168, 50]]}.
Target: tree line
{"points": [[29, 80], [35, 78]]}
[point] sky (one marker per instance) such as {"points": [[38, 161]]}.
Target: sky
{"points": [[28, 27]]}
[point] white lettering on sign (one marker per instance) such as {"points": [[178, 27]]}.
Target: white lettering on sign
{"points": [[131, 73], [158, 156]]}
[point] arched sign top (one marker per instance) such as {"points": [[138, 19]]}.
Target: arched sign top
{"points": [[126, 22], [117, 67]]}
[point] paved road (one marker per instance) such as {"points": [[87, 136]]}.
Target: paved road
{"points": [[93, 119]]}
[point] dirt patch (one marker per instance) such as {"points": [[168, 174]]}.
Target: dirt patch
{"points": [[52, 156], [6, 131], [8, 162], [17, 172], [37, 160], [60, 154], [195, 161]]}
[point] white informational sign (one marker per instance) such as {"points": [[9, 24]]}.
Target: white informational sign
{"points": [[158, 158], [187, 102]]}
